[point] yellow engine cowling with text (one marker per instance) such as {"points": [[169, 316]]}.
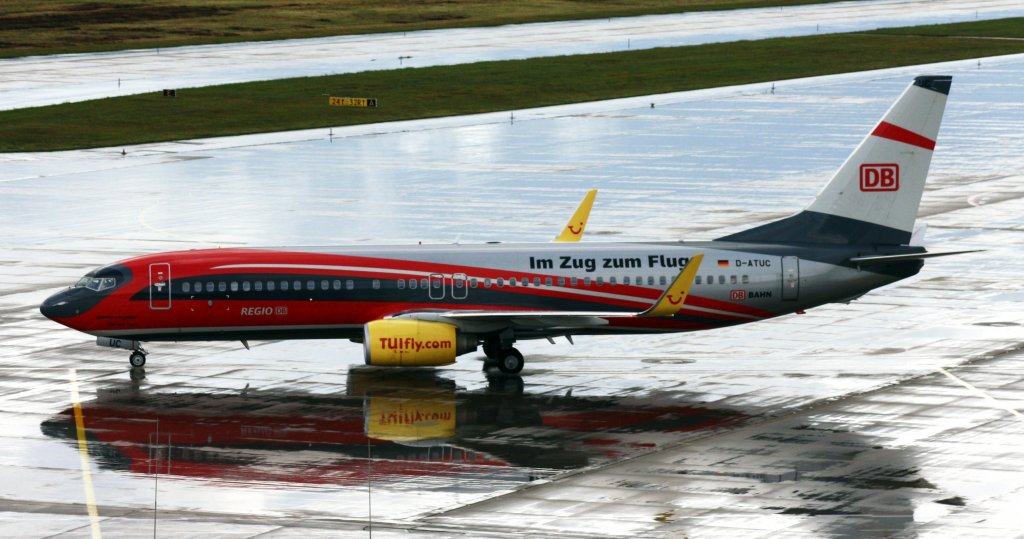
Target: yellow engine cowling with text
{"points": [[413, 343]]}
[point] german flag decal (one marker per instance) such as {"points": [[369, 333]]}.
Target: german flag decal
{"points": [[723, 263]]}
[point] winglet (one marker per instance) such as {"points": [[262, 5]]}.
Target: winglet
{"points": [[573, 230], [674, 296]]}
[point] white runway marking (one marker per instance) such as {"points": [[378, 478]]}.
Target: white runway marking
{"points": [[992, 400]]}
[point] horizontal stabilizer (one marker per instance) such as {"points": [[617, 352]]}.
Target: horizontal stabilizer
{"points": [[884, 259]]}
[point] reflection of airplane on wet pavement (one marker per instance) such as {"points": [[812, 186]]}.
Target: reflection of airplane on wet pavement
{"points": [[426, 304], [412, 423]]}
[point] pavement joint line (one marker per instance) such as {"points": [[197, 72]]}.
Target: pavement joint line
{"points": [[995, 403], [83, 451], [430, 518]]}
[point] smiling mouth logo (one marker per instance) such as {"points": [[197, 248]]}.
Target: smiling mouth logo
{"points": [[675, 301], [576, 232]]}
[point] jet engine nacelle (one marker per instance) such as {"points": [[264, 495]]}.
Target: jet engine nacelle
{"points": [[413, 343]]}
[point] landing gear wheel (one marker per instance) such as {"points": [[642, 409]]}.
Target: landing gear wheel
{"points": [[137, 359], [511, 361]]}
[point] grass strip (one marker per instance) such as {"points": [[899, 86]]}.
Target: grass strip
{"points": [[405, 94], [32, 27]]}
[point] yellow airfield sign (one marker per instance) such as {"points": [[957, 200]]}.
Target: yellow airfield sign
{"points": [[353, 101]]}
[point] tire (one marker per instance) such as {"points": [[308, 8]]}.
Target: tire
{"points": [[492, 350], [511, 362], [137, 359]]}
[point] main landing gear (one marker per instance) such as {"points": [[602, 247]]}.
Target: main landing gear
{"points": [[506, 358]]}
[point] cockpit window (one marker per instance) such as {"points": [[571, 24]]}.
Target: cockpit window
{"points": [[96, 284]]}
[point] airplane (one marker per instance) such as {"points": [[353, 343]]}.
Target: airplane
{"points": [[425, 305]]}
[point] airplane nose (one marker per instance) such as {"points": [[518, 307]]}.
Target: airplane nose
{"points": [[59, 305]]}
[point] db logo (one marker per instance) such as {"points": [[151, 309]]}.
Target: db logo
{"points": [[880, 177], [737, 295]]}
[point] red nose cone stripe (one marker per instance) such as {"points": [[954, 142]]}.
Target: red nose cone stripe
{"points": [[897, 133]]}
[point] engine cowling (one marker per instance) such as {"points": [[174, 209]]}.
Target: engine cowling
{"points": [[413, 343]]}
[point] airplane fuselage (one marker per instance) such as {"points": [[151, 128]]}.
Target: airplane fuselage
{"points": [[231, 294]]}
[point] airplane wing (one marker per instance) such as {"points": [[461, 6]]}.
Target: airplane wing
{"points": [[573, 230], [484, 321]]}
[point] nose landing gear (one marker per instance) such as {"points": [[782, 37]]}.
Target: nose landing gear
{"points": [[137, 358]]}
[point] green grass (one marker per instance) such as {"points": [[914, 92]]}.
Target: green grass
{"points": [[29, 27], [482, 87]]}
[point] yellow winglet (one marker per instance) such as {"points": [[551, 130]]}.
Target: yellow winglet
{"points": [[674, 296], [573, 230]]}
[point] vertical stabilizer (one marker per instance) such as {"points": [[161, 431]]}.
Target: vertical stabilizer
{"points": [[874, 196]]}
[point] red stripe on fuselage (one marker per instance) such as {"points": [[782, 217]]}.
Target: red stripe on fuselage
{"points": [[894, 132], [372, 263]]}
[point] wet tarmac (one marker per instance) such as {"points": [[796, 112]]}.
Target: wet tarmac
{"points": [[44, 80], [896, 415]]}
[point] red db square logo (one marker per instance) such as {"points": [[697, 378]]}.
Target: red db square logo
{"points": [[737, 295], [880, 177]]}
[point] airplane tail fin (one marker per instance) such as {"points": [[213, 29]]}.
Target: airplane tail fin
{"points": [[874, 196]]}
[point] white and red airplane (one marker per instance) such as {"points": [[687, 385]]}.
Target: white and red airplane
{"points": [[427, 304]]}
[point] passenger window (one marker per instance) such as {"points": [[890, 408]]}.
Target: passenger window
{"points": [[186, 287], [746, 279], [650, 280], [435, 284], [258, 286], [721, 279], [600, 280], [376, 284], [246, 286], [547, 281], [284, 286], [310, 285], [561, 281], [536, 281], [350, 284], [697, 280], [732, 279], [423, 283], [573, 281], [413, 284], [625, 280], [209, 287], [222, 286], [500, 282], [296, 285], [324, 285], [401, 284], [472, 282], [586, 281], [336, 284], [234, 286], [270, 286], [487, 283], [512, 281], [611, 280], [662, 281], [711, 279], [458, 283]]}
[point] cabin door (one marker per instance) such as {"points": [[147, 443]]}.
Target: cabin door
{"points": [[160, 286]]}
